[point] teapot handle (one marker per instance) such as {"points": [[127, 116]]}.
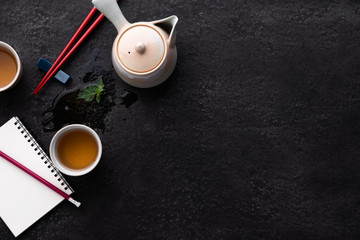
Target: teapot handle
{"points": [[112, 11]]}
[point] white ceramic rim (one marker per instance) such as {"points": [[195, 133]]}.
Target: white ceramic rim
{"points": [[64, 169], [18, 64]]}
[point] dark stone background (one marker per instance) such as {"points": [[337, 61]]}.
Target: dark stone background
{"points": [[254, 136]]}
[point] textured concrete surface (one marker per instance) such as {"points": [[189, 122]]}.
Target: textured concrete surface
{"points": [[254, 136]]}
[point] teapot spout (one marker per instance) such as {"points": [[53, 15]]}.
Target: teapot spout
{"points": [[168, 25], [111, 10]]}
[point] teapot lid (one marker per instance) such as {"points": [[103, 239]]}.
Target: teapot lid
{"points": [[141, 48]]}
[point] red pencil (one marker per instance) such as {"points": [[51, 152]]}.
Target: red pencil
{"points": [[40, 179]]}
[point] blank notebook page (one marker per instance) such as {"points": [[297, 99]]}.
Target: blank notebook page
{"points": [[23, 199]]}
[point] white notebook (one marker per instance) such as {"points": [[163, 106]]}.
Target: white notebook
{"points": [[23, 199]]}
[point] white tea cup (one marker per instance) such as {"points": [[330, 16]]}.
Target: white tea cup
{"points": [[54, 154], [19, 69]]}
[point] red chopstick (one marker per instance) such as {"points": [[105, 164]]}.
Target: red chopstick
{"points": [[57, 67], [40, 179], [58, 63], [72, 40]]}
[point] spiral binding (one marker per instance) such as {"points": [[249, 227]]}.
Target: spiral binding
{"points": [[41, 153]]}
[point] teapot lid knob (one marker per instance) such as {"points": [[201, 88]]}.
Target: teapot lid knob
{"points": [[140, 47]]}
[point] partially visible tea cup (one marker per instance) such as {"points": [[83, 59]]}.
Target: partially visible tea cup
{"points": [[75, 150], [10, 67]]}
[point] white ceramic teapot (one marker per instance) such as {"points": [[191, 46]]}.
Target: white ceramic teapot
{"points": [[144, 53]]}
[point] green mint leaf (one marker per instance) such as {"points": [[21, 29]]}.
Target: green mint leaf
{"points": [[89, 93], [101, 85], [98, 97]]}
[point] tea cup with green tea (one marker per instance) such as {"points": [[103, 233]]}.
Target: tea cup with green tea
{"points": [[75, 150], [10, 67]]}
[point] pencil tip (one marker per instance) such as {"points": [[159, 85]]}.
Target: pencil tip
{"points": [[73, 201]]}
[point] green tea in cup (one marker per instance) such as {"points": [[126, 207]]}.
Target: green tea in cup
{"points": [[10, 67]]}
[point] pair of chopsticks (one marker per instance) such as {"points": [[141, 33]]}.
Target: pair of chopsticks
{"points": [[61, 59]]}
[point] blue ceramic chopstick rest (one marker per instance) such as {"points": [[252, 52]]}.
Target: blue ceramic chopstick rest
{"points": [[61, 76]]}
